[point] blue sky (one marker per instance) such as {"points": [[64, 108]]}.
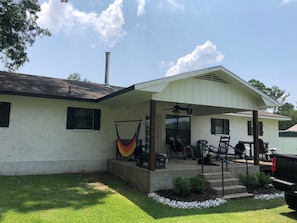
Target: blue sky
{"points": [[150, 39]]}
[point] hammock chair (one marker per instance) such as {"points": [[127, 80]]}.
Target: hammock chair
{"points": [[124, 148]]}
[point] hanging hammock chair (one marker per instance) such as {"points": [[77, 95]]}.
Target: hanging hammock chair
{"points": [[124, 148]]}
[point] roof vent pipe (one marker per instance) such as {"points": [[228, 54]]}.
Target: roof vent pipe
{"points": [[107, 68]]}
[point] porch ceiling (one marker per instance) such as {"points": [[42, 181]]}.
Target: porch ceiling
{"points": [[198, 110]]}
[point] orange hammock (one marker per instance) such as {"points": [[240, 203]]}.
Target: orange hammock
{"points": [[127, 149]]}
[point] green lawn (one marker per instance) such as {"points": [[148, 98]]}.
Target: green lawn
{"points": [[100, 198]]}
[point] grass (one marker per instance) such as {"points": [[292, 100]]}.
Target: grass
{"points": [[99, 197]]}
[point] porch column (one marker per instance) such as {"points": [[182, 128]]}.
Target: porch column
{"points": [[256, 137], [152, 146]]}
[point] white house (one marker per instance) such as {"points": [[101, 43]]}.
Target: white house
{"points": [[50, 125]]}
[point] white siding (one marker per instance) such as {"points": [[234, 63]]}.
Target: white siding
{"points": [[287, 145], [37, 141], [204, 92], [238, 130]]}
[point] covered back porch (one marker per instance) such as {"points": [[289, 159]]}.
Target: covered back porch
{"points": [[161, 178], [210, 91]]}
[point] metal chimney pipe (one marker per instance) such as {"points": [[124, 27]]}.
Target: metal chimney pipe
{"points": [[107, 54]]}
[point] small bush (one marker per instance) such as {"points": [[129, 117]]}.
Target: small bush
{"points": [[181, 186], [199, 184], [263, 180], [243, 179], [253, 181]]}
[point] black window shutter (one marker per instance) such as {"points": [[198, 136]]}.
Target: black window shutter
{"points": [[70, 118], [4, 114], [250, 130], [261, 128], [213, 126], [227, 125], [96, 120]]}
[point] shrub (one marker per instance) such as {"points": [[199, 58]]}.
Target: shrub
{"points": [[263, 180], [181, 186], [199, 184], [253, 181]]}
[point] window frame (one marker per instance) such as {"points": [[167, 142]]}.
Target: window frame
{"points": [[220, 126], [183, 131], [83, 118], [5, 108], [250, 129]]}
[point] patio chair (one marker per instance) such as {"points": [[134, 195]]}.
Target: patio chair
{"points": [[222, 148], [262, 150], [202, 148], [143, 156], [174, 149]]}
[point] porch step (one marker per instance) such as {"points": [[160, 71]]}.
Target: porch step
{"points": [[227, 182], [238, 195], [216, 176], [231, 189]]}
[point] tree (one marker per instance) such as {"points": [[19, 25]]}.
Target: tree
{"points": [[18, 28], [286, 109], [76, 77], [274, 92]]}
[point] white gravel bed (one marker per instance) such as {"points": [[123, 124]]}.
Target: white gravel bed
{"points": [[206, 204]]}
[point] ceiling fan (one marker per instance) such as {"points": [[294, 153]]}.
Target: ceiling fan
{"points": [[177, 108]]}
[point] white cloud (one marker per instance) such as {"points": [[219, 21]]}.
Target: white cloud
{"points": [[59, 17], [285, 2], [175, 4], [140, 7], [202, 56]]}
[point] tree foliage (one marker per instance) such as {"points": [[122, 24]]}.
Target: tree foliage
{"points": [[286, 109], [18, 28], [76, 77], [274, 92]]}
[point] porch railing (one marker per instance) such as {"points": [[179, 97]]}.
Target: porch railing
{"points": [[224, 161]]}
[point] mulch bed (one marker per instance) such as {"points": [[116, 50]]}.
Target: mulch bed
{"points": [[207, 195]]}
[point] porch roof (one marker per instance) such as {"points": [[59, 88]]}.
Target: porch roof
{"points": [[211, 90]]}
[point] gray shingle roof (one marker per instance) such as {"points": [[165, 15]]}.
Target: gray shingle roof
{"points": [[39, 86]]}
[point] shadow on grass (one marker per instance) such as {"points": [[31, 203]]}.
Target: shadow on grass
{"points": [[77, 191], [292, 215], [35, 193], [158, 211]]}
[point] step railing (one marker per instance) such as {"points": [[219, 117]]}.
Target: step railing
{"points": [[224, 161]]}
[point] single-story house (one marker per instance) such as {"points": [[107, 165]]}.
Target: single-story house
{"points": [[51, 125]]}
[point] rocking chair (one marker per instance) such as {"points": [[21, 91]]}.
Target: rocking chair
{"points": [[222, 148]]}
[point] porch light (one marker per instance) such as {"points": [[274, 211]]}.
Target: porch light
{"points": [[189, 110]]}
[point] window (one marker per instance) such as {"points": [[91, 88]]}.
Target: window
{"points": [[251, 130], [220, 126], [83, 118], [4, 114], [178, 125]]}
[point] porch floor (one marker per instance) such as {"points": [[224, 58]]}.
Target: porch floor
{"points": [[150, 181]]}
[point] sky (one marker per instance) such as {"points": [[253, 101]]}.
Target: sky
{"points": [[151, 39]]}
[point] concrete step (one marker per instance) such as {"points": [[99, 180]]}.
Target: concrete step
{"points": [[238, 195], [227, 182], [231, 189], [216, 175]]}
